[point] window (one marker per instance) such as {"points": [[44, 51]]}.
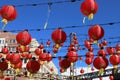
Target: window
{"points": [[0, 41], [12, 41]]}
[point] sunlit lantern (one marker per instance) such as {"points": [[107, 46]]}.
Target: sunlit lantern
{"points": [[8, 13], [89, 8]]}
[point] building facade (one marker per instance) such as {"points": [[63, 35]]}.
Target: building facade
{"points": [[9, 39]]}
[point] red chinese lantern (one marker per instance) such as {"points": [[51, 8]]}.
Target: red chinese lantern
{"points": [[89, 8], [100, 63], [55, 50], [15, 58], [8, 56], [104, 42], [29, 55], [89, 55], [82, 71], [81, 58], [49, 57], [100, 78], [88, 61], [26, 49], [3, 65], [114, 60], [18, 65], [118, 48], [23, 38], [102, 53], [101, 45], [7, 78], [92, 69], [64, 63], [8, 13], [38, 51], [41, 46], [91, 49], [110, 50], [72, 56], [58, 36], [96, 32], [4, 50], [62, 70], [78, 48], [0, 55], [87, 44], [33, 66], [43, 56], [111, 77], [48, 43]]}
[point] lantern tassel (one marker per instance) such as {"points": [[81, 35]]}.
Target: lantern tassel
{"points": [[17, 71], [31, 75], [90, 16], [100, 71], [88, 66], [5, 21]]}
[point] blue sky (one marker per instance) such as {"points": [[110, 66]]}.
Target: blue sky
{"points": [[62, 15]]}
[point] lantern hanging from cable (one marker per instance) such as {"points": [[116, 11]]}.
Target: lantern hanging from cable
{"points": [[100, 63], [96, 32], [89, 8], [8, 13], [33, 67]]}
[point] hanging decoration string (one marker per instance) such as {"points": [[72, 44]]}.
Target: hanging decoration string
{"points": [[49, 11]]}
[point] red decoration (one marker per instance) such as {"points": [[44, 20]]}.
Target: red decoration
{"points": [[7, 78], [114, 60], [81, 58], [105, 43], [43, 56], [3, 65], [59, 36], [8, 56], [100, 62], [102, 53], [87, 44], [18, 65], [29, 55], [89, 55], [110, 50], [82, 71], [89, 8], [88, 61], [49, 57], [92, 69], [118, 48], [41, 46], [26, 49], [64, 63], [15, 58], [48, 43], [8, 13], [72, 56], [100, 78], [23, 37], [38, 51], [4, 50], [111, 77], [96, 32], [33, 66], [62, 70]]}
